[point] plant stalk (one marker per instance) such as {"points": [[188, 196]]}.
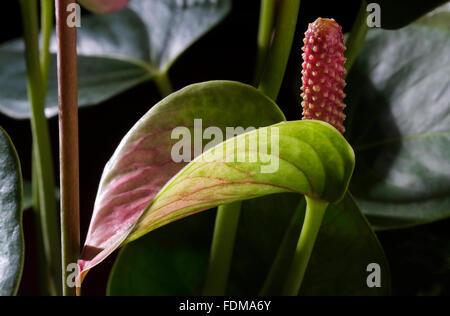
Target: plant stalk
{"points": [[354, 44], [266, 28], [68, 140], [277, 274], [41, 143], [47, 14], [278, 55], [357, 36], [222, 249], [227, 220], [45, 280], [315, 211], [164, 85]]}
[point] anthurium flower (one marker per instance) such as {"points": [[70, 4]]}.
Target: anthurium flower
{"points": [[144, 187], [324, 73], [104, 6]]}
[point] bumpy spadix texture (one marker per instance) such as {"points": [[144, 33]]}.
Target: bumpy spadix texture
{"points": [[324, 73]]}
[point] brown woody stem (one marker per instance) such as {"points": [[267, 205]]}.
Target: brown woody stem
{"points": [[68, 139]]}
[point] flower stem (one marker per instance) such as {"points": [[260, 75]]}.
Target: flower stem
{"points": [[47, 13], [266, 27], [315, 211], [41, 142], [68, 140], [164, 85], [354, 44], [227, 221], [45, 280], [357, 36], [278, 55], [277, 274]]}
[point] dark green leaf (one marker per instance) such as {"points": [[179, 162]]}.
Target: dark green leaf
{"points": [[99, 79], [116, 51], [346, 245], [438, 18], [150, 33], [423, 252], [173, 25], [396, 14], [170, 261], [401, 125], [173, 260], [11, 234], [347, 235]]}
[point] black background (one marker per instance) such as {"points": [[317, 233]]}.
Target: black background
{"points": [[228, 52]]}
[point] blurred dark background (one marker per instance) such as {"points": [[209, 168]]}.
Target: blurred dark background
{"points": [[228, 52]]}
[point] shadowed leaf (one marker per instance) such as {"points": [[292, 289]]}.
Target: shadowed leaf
{"points": [[173, 260], [400, 13], [401, 127]]}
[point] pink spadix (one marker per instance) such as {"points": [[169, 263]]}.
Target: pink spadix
{"points": [[324, 73]]}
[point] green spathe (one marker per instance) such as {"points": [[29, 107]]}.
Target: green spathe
{"points": [[220, 104], [314, 159]]}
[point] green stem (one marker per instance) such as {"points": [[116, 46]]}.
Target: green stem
{"points": [[41, 141], [164, 85], [357, 36], [45, 280], [279, 53], [47, 13], [277, 274], [354, 44], [315, 212], [272, 79], [266, 27], [227, 221]]}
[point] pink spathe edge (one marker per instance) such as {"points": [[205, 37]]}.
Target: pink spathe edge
{"points": [[84, 266]]}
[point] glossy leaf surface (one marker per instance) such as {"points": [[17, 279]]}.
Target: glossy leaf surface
{"points": [[117, 51], [11, 234], [401, 124]]}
